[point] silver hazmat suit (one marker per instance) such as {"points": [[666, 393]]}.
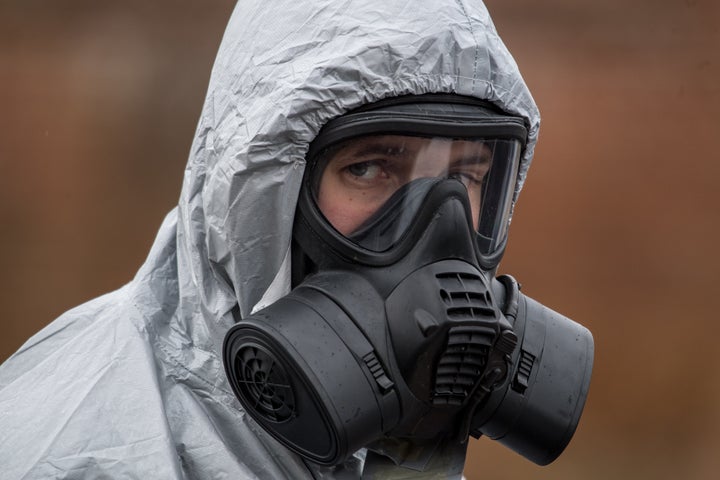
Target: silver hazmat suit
{"points": [[131, 384]]}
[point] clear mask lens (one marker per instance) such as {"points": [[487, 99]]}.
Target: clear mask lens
{"points": [[362, 182]]}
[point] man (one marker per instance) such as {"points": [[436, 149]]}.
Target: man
{"points": [[139, 383]]}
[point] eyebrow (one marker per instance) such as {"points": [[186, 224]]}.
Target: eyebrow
{"points": [[483, 159], [401, 149], [379, 148]]}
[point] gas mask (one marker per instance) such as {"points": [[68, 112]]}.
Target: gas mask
{"points": [[396, 326]]}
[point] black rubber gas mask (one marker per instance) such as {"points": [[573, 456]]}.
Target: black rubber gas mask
{"points": [[396, 326]]}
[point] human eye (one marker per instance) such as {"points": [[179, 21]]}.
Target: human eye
{"points": [[376, 172], [471, 175], [370, 164], [364, 171], [471, 163]]}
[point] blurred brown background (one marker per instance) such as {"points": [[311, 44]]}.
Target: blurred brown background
{"points": [[618, 226]]}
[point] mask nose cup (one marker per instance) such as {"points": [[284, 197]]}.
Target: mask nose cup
{"points": [[385, 228]]}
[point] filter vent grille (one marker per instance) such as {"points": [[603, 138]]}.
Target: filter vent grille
{"points": [[264, 383]]}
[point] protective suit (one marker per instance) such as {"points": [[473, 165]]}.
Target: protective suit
{"points": [[131, 384]]}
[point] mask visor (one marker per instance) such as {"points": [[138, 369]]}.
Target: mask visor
{"points": [[369, 188]]}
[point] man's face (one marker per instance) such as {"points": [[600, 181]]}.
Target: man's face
{"points": [[363, 173]]}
